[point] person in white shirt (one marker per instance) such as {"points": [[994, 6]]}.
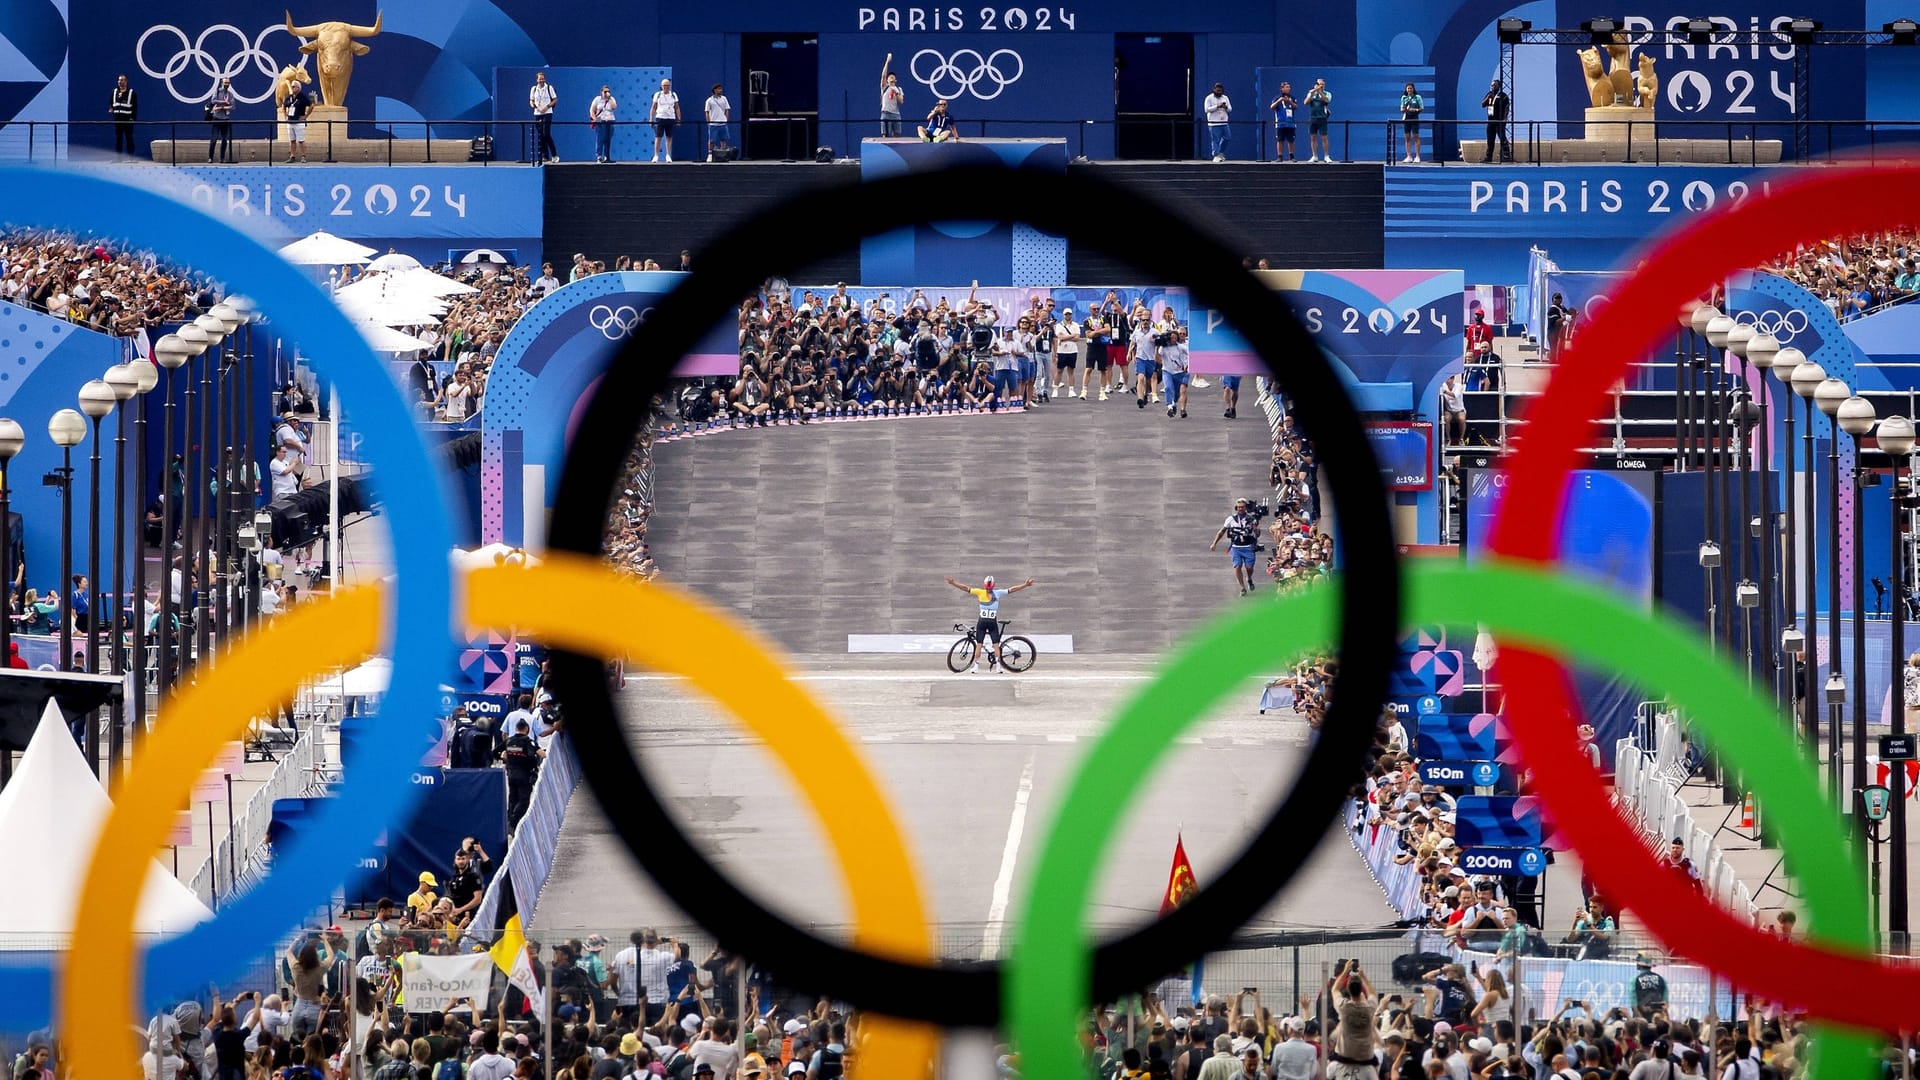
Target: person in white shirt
{"points": [[891, 98], [1066, 351], [718, 109], [603, 113], [284, 480], [542, 98], [545, 285], [664, 114], [1218, 108]]}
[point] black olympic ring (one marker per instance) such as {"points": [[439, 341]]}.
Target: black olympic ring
{"points": [[821, 223]]}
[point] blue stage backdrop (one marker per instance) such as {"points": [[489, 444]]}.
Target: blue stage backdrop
{"points": [[991, 252], [1052, 63], [633, 89], [539, 383]]}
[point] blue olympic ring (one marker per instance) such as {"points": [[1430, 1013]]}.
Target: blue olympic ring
{"points": [[375, 791]]}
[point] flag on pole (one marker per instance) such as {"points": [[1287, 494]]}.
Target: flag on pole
{"points": [[1181, 886], [1180, 882], [510, 951]]}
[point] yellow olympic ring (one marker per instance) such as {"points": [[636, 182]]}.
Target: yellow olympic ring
{"points": [[717, 656]]}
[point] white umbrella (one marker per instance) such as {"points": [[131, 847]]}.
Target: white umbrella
{"points": [[325, 249], [485, 255], [386, 339], [384, 289], [366, 680], [426, 281], [396, 311], [393, 260]]}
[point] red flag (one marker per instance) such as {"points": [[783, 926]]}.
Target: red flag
{"points": [[1180, 881]]}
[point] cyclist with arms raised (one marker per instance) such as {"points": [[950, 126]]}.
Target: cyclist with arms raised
{"points": [[988, 628]]}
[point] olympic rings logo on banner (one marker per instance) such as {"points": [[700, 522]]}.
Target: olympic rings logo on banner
{"points": [[615, 323], [965, 79], [1783, 325], [195, 54]]}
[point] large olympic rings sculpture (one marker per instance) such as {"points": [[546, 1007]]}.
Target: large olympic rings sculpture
{"points": [[966, 75], [1052, 974], [193, 53]]}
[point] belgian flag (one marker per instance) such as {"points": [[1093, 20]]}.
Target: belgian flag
{"points": [[510, 953]]}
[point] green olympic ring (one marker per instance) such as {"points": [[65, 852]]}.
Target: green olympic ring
{"points": [[1050, 975]]}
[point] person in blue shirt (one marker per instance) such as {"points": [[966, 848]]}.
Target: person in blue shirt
{"points": [[939, 125], [987, 628], [1283, 125]]}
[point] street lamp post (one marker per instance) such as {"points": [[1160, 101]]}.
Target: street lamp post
{"points": [[1856, 419], [97, 399], [204, 522], [170, 352], [1700, 318], [1761, 351], [66, 428], [1733, 535], [1807, 377], [1896, 437], [230, 318], [12, 439], [1743, 415], [1683, 383], [1828, 397], [147, 376], [125, 384]]}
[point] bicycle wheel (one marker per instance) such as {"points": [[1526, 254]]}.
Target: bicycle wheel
{"points": [[1017, 653], [961, 656]]}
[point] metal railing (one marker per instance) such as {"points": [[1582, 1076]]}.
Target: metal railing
{"points": [[1349, 140]]}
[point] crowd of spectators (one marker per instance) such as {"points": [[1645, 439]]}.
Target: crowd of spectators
{"points": [[1856, 274], [1447, 1021], [648, 1010], [828, 356], [97, 283]]}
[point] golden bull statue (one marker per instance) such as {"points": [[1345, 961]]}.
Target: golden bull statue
{"points": [[334, 45]]}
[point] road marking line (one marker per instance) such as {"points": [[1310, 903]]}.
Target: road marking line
{"points": [[1000, 736], [938, 736], [1056, 737], [876, 738], [1003, 884]]}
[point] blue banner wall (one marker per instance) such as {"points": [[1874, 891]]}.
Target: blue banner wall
{"points": [[633, 89], [538, 387], [1484, 219], [43, 362], [424, 210], [989, 252], [436, 61]]}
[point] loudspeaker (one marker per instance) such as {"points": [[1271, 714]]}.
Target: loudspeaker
{"points": [[823, 155], [725, 153], [481, 149]]}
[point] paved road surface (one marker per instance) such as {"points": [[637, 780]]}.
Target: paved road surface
{"points": [[967, 761]]}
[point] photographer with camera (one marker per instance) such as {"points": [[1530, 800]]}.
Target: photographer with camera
{"points": [[1241, 530]]}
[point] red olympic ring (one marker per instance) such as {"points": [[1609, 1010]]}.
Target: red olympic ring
{"points": [[1845, 987]]}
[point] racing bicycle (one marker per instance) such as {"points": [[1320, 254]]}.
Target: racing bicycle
{"points": [[1016, 652]]}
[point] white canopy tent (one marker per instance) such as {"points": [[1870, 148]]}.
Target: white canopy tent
{"points": [[51, 814], [394, 260], [325, 249]]}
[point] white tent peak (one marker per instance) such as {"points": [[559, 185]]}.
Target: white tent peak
{"points": [[51, 813]]}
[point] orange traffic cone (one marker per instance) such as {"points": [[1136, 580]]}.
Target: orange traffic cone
{"points": [[1746, 812]]}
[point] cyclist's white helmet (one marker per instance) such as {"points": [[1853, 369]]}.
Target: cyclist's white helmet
{"points": [[989, 581]]}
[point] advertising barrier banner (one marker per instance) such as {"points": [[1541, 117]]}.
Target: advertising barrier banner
{"points": [[434, 983]]}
